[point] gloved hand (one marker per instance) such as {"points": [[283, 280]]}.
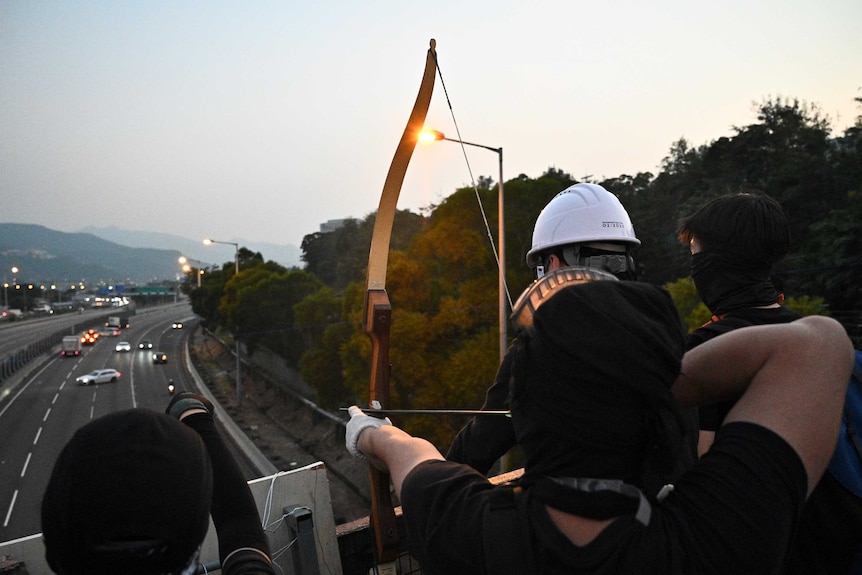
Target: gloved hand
{"points": [[186, 400], [358, 423]]}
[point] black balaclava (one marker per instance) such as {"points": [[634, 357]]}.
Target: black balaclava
{"points": [[726, 282], [591, 387]]}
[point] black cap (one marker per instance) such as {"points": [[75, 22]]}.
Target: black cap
{"points": [[130, 493]]}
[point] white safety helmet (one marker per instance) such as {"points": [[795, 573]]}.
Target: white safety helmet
{"points": [[581, 214]]}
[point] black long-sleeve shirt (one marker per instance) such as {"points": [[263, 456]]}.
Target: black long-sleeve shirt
{"points": [[243, 547]]}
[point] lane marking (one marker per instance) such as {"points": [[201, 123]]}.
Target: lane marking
{"points": [[56, 396], [26, 464], [38, 435], [11, 506], [47, 413], [24, 387]]}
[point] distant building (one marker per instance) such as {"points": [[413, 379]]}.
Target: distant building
{"points": [[332, 225]]}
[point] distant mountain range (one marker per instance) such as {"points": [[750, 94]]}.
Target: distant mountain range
{"points": [[286, 255], [110, 255]]}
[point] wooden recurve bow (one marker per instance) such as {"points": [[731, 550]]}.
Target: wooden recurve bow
{"points": [[378, 312]]}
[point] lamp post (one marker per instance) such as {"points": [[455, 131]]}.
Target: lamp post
{"points": [[432, 135], [187, 268], [6, 285], [235, 245]]}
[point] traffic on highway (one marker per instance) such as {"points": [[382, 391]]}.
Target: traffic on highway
{"points": [[54, 395]]}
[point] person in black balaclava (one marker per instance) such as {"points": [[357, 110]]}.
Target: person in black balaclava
{"points": [[735, 240]]}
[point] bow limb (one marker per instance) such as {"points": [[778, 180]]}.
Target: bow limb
{"points": [[378, 310]]}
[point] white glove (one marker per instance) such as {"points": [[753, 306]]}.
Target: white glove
{"points": [[358, 423]]}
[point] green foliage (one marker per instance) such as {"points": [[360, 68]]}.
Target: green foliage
{"points": [[318, 318], [806, 305], [691, 309], [336, 257], [321, 368], [831, 263], [458, 381], [442, 278], [205, 300], [339, 257]]}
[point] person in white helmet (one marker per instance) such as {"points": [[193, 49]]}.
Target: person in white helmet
{"points": [[587, 226], [584, 225]]}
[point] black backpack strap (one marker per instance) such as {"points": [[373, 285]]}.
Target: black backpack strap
{"points": [[726, 324], [505, 533]]}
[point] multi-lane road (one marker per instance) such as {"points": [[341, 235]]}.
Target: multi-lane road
{"points": [[42, 412]]}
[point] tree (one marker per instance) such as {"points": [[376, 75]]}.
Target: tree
{"points": [[443, 278], [692, 311], [258, 307], [318, 317], [340, 256]]}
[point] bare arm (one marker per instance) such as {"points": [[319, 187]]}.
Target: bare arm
{"points": [[394, 450], [792, 379]]}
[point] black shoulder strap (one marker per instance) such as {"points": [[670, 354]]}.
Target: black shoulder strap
{"points": [[728, 323], [506, 538]]}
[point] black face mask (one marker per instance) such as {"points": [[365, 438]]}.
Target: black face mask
{"points": [[726, 284]]}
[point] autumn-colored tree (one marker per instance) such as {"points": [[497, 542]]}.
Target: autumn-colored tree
{"points": [[442, 278]]}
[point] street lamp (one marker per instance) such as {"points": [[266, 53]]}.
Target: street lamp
{"points": [[432, 135], [6, 285], [235, 247], [187, 268], [207, 242]]}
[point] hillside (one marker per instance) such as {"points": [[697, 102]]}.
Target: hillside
{"points": [[46, 256], [286, 255]]}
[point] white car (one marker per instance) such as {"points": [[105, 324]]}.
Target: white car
{"points": [[99, 376], [123, 346]]}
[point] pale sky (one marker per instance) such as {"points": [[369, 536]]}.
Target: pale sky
{"points": [[259, 120]]}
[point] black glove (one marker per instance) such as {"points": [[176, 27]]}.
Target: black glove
{"points": [[186, 400]]}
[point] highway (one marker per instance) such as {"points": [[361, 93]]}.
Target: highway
{"points": [[19, 333], [39, 416]]}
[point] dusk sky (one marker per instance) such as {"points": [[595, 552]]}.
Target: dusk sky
{"points": [[260, 120]]}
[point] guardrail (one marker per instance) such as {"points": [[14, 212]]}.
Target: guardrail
{"points": [[11, 363]]}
